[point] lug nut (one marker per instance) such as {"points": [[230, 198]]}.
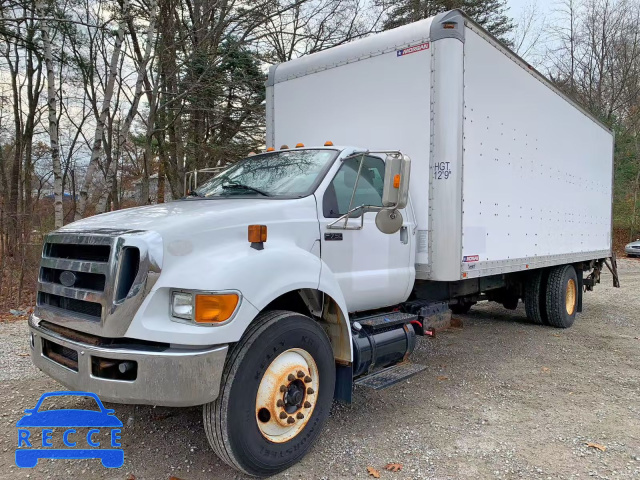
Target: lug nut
{"points": [[300, 374], [291, 378], [290, 420], [307, 405], [283, 415], [307, 379], [283, 388], [279, 403], [300, 416], [310, 391]]}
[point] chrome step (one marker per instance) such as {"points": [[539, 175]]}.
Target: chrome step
{"points": [[389, 376]]}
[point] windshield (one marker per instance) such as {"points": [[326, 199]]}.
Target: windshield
{"points": [[291, 173]]}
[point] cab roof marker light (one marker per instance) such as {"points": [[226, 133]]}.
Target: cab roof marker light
{"points": [[284, 147], [328, 143], [271, 149], [300, 145]]}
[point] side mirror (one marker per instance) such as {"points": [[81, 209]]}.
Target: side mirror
{"points": [[395, 193]]}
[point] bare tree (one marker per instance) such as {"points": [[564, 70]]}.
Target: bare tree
{"points": [[88, 186], [53, 117]]}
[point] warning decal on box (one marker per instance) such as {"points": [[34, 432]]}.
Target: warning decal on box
{"points": [[412, 49], [471, 258]]}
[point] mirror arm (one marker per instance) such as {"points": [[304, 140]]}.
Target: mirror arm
{"points": [[365, 208], [353, 193]]}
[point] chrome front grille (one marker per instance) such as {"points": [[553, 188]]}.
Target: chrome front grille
{"points": [[94, 282], [74, 273]]}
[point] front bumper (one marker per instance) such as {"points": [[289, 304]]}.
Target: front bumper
{"points": [[176, 377], [632, 251]]}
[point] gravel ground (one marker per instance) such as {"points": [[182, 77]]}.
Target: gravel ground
{"points": [[501, 398]]}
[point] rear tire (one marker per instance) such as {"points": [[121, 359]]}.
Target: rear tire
{"points": [[253, 369], [562, 296], [510, 302], [534, 297], [463, 306]]}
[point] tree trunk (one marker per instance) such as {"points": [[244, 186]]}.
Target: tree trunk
{"points": [[133, 110], [88, 187], [53, 120]]}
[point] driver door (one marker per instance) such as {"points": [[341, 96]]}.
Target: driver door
{"points": [[373, 269]]}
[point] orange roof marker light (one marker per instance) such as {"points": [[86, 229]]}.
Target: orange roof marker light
{"points": [[284, 147], [300, 145], [328, 143], [251, 154], [271, 149]]}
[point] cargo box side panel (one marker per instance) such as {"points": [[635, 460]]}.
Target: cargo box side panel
{"points": [[379, 102], [537, 171]]}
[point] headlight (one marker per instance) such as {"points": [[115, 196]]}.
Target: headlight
{"points": [[204, 308], [182, 305]]}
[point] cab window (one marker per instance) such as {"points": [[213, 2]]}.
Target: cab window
{"points": [[369, 192]]}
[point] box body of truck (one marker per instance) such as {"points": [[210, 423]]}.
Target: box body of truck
{"points": [[508, 174]]}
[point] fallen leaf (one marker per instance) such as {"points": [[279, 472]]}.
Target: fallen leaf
{"points": [[555, 335], [442, 377], [393, 467], [371, 471], [456, 323], [602, 448], [131, 476], [545, 369], [23, 354]]}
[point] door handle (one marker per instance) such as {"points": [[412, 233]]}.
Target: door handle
{"points": [[404, 235]]}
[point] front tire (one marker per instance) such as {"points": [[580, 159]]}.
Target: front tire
{"points": [[268, 415], [562, 296]]}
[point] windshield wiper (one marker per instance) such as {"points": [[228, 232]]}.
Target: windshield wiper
{"points": [[245, 187]]}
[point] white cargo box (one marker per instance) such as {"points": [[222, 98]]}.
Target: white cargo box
{"points": [[508, 173]]}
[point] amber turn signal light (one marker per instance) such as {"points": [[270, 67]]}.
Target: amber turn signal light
{"points": [[257, 233], [396, 181], [215, 308]]}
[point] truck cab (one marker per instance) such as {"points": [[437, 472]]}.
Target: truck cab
{"points": [[143, 305]]}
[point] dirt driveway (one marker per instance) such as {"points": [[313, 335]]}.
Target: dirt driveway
{"points": [[501, 398]]}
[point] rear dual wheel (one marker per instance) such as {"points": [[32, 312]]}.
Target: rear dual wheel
{"points": [[551, 296], [562, 296], [276, 393]]}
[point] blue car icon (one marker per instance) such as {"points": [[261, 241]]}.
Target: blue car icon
{"points": [[68, 419]]}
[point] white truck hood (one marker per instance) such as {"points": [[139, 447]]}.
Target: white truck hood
{"points": [[180, 217]]}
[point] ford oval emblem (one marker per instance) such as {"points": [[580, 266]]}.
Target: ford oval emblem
{"points": [[67, 278]]}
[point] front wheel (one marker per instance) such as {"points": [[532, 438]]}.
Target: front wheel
{"points": [[276, 393]]}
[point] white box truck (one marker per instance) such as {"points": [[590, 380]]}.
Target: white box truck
{"points": [[296, 273]]}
